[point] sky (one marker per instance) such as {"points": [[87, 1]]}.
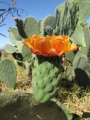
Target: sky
{"points": [[36, 8]]}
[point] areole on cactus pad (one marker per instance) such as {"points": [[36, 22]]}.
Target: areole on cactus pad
{"points": [[49, 45]]}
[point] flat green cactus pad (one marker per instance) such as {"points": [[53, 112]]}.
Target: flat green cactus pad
{"points": [[45, 79], [8, 72]]}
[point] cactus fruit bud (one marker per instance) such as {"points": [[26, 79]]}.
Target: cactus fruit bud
{"points": [[15, 18]]}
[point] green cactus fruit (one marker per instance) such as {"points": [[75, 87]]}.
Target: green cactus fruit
{"points": [[45, 79], [31, 26], [8, 72]]}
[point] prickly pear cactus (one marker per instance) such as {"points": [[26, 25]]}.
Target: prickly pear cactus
{"points": [[8, 72], [67, 17], [84, 11], [20, 26], [18, 51], [66, 22], [27, 27], [45, 79], [47, 25], [31, 26], [80, 67], [46, 73]]}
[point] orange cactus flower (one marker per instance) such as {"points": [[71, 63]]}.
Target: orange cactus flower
{"points": [[49, 45]]}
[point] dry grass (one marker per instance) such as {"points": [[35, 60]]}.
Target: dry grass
{"points": [[76, 99], [73, 101]]}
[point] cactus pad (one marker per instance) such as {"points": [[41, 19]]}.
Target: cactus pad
{"points": [[27, 55], [84, 11], [12, 38], [8, 72], [31, 26], [49, 24], [45, 79], [78, 36], [10, 49], [67, 17], [16, 34]]}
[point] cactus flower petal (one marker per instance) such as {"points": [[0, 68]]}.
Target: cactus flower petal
{"points": [[49, 45], [73, 45], [42, 45]]}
